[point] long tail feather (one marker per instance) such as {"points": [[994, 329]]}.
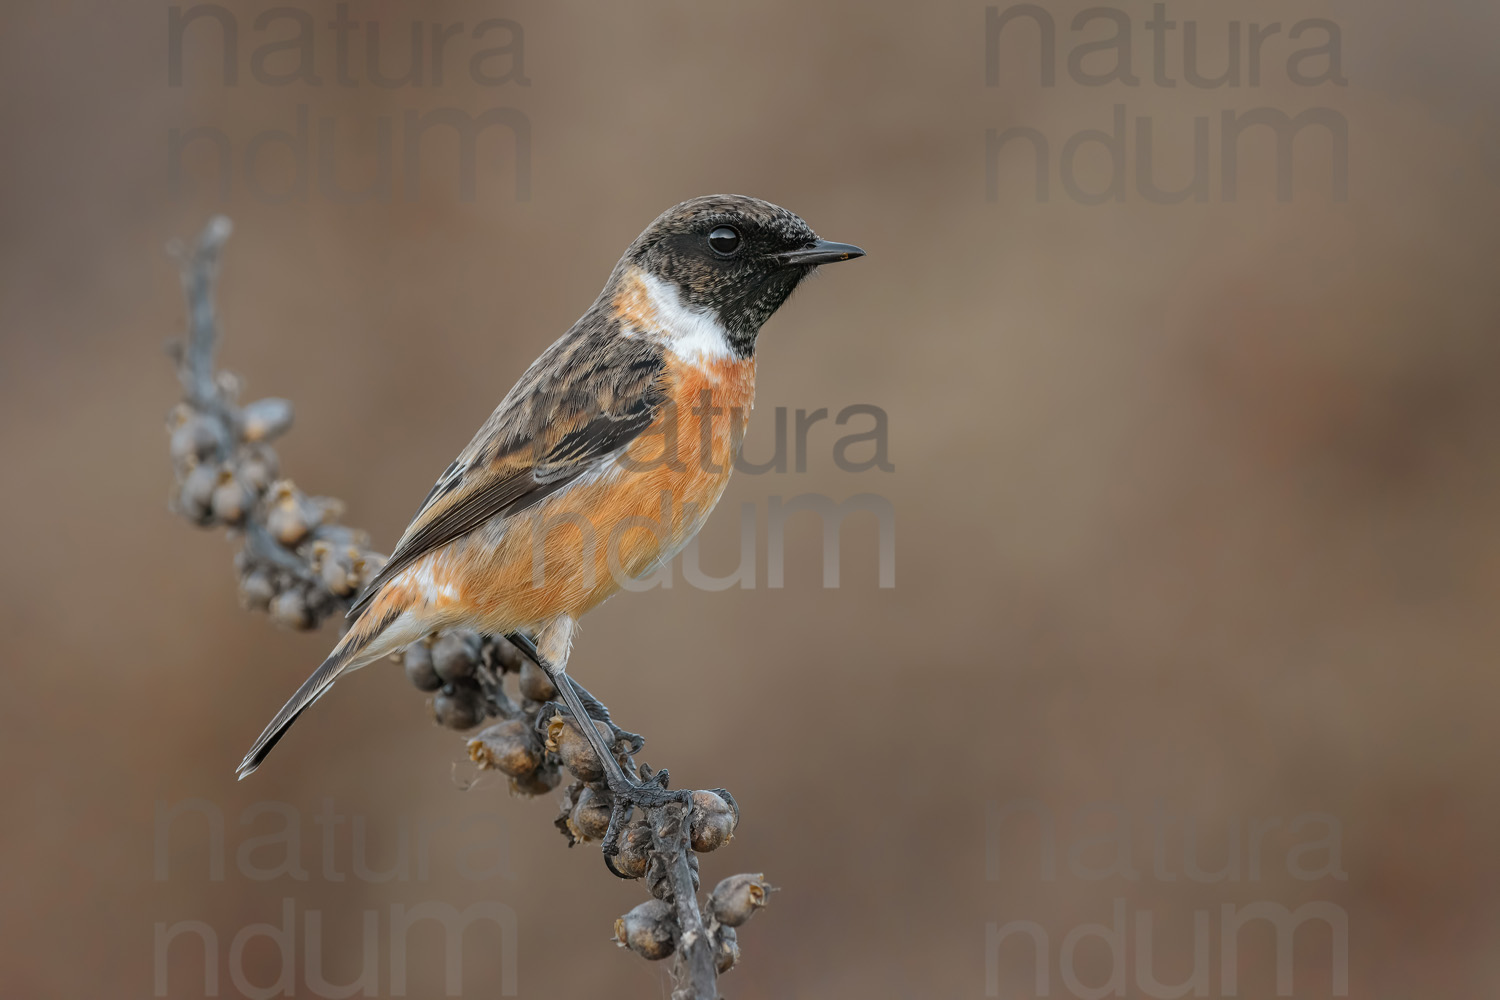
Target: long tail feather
{"points": [[354, 650]]}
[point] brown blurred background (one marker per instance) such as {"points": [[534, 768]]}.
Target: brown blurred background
{"points": [[1195, 503]]}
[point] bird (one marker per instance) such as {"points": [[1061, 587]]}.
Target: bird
{"points": [[600, 464]]}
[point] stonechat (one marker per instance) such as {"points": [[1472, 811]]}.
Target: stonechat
{"points": [[601, 463]]}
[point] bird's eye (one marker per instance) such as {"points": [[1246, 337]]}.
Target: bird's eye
{"points": [[725, 240]]}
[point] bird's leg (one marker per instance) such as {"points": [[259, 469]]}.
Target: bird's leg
{"points": [[595, 708], [598, 710], [550, 651]]}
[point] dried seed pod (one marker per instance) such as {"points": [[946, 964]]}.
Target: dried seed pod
{"points": [[342, 537], [289, 519], [565, 810], [338, 567], [509, 657], [374, 562], [713, 822], [455, 655], [229, 385], [510, 746], [196, 437], [231, 499], [257, 468], [324, 510], [590, 816], [289, 609], [264, 419], [535, 684], [538, 782], [649, 930], [417, 659], [458, 706], [736, 899], [726, 949], [320, 602], [635, 851], [565, 739], [256, 590], [195, 498], [657, 881]]}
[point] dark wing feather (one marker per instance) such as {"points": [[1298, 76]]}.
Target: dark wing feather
{"points": [[582, 402]]}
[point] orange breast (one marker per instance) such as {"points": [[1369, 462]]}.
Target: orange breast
{"points": [[578, 547]]}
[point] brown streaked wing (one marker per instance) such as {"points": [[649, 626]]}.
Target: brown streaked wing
{"points": [[583, 401]]}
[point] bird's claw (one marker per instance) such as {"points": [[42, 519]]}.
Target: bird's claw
{"points": [[648, 793]]}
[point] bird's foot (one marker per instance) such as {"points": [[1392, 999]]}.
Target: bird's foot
{"points": [[651, 792]]}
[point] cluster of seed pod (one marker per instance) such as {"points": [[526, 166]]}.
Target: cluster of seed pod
{"points": [[223, 460], [650, 930], [535, 745], [298, 563], [456, 666], [532, 744]]}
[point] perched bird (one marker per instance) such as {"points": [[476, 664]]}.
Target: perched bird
{"points": [[601, 463]]}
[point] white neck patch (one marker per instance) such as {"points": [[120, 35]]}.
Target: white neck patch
{"points": [[690, 333]]}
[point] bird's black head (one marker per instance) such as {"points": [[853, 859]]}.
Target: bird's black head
{"points": [[735, 256]]}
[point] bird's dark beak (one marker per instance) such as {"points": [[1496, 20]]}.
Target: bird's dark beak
{"points": [[821, 252]]}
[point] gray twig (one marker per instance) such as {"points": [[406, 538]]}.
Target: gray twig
{"points": [[693, 964], [199, 272]]}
